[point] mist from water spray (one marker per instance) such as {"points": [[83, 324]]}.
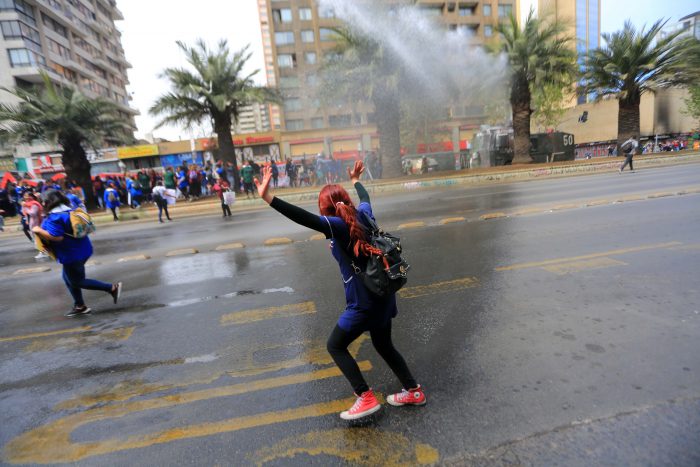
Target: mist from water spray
{"points": [[446, 64]]}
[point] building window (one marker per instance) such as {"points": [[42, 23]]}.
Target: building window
{"points": [[292, 105], [432, 11], [25, 57], [325, 11], [305, 14], [283, 15], [466, 11], [294, 125], [488, 30], [505, 10], [58, 49], [26, 12], [317, 122], [289, 82], [487, 10], [54, 26], [284, 38], [285, 60], [326, 34], [307, 36], [310, 58], [340, 120]]}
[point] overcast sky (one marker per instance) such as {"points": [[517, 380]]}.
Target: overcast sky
{"points": [[151, 27]]}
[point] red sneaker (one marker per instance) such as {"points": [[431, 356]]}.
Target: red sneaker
{"points": [[366, 404], [410, 397]]}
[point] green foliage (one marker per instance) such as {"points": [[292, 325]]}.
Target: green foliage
{"points": [[636, 61], [692, 103], [216, 89], [548, 103], [61, 115]]}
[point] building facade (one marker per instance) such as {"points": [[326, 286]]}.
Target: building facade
{"points": [[687, 25], [74, 41], [253, 118], [297, 35]]}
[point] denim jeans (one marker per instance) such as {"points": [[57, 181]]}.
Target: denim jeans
{"points": [[74, 277]]}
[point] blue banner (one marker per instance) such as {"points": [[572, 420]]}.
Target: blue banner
{"points": [[185, 158]]}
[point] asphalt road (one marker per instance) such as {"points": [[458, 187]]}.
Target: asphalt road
{"points": [[565, 335]]}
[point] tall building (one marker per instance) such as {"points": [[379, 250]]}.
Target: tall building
{"points": [[74, 41], [582, 18], [253, 118], [688, 25], [297, 34]]}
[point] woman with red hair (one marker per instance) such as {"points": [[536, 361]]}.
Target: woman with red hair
{"points": [[340, 222]]}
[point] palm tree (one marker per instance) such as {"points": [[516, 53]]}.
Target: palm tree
{"points": [[539, 53], [364, 70], [215, 90], [634, 62], [66, 117]]}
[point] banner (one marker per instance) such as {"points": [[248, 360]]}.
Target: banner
{"points": [[144, 150]]}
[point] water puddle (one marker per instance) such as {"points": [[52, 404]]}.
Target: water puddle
{"points": [[240, 293]]}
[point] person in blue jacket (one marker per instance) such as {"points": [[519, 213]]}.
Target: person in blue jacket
{"points": [[111, 199], [341, 223], [71, 252]]}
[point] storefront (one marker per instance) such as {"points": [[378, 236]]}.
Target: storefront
{"points": [[258, 147], [103, 161], [144, 156]]}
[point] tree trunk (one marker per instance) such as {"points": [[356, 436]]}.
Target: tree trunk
{"points": [[628, 119], [78, 168], [227, 151], [388, 116], [520, 104]]}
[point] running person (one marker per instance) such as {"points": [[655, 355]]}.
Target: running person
{"points": [[71, 252], [364, 311]]}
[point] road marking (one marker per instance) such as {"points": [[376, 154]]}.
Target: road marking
{"points": [[582, 265], [260, 314], [319, 236], [83, 340], [359, 446], [45, 334], [438, 287], [525, 211], [451, 220], [411, 225], [660, 195], [493, 215], [691, 247], [625, 199], [230, 246], [55, 436], [31, 270], [278, 241], [598, 202], [564, 207], [182, 251], [536, 264], [133, 258]]}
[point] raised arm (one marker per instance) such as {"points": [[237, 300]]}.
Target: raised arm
{"points": [[354, 175]]}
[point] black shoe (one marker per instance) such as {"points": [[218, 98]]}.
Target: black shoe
{"points": [[116, 293], [77, 311]]}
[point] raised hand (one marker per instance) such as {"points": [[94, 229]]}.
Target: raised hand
{"points": [[263, 187], [356, 171]]}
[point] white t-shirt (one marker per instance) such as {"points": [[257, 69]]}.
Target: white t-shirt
{"points": [[159, 190]]}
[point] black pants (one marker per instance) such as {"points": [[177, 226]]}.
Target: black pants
{"points": [[114, 213], [226, 208], [162, 206], [338, 343], [628, 160]]}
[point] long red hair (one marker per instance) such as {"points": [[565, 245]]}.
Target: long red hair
{"points": [[334, 200]]}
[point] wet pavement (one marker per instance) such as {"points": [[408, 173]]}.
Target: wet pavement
{"points": [[566, 337]]}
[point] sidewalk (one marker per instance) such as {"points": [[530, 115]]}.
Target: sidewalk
{"points": [[211, 205]]}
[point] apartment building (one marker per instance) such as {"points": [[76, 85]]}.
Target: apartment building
{"points": [[253, 118], [74, 41], [297, 34]]}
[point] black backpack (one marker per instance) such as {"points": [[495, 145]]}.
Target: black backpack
{"points": [[384, 275]]}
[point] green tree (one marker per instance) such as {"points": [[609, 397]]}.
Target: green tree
{"points": [[215, 91], [692, 103], [548, 101], [66, 117], [539, 53], [363, 70], [634, 62]]}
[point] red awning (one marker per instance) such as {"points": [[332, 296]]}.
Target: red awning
{"points": [[8, 177]]}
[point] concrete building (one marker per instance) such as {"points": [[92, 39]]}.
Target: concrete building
{"points": [[76, 43], [688, 25], [297, 35], [253, 118]]}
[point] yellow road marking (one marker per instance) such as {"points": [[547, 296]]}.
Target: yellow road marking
{"points": [[317, 237], [438, 287], [360, 446], [411, 225], [493, 215], [313, 354], [133, 258], [630, 198], [582, 265], [660, 195], [120, 334], [563, 207], [260, 314], [54, 437], [278, 241], [44, 334], [182, 251], [450, 220], [230, 246], [525, 211], [598, 202], [536, 264], [31, 270]]}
